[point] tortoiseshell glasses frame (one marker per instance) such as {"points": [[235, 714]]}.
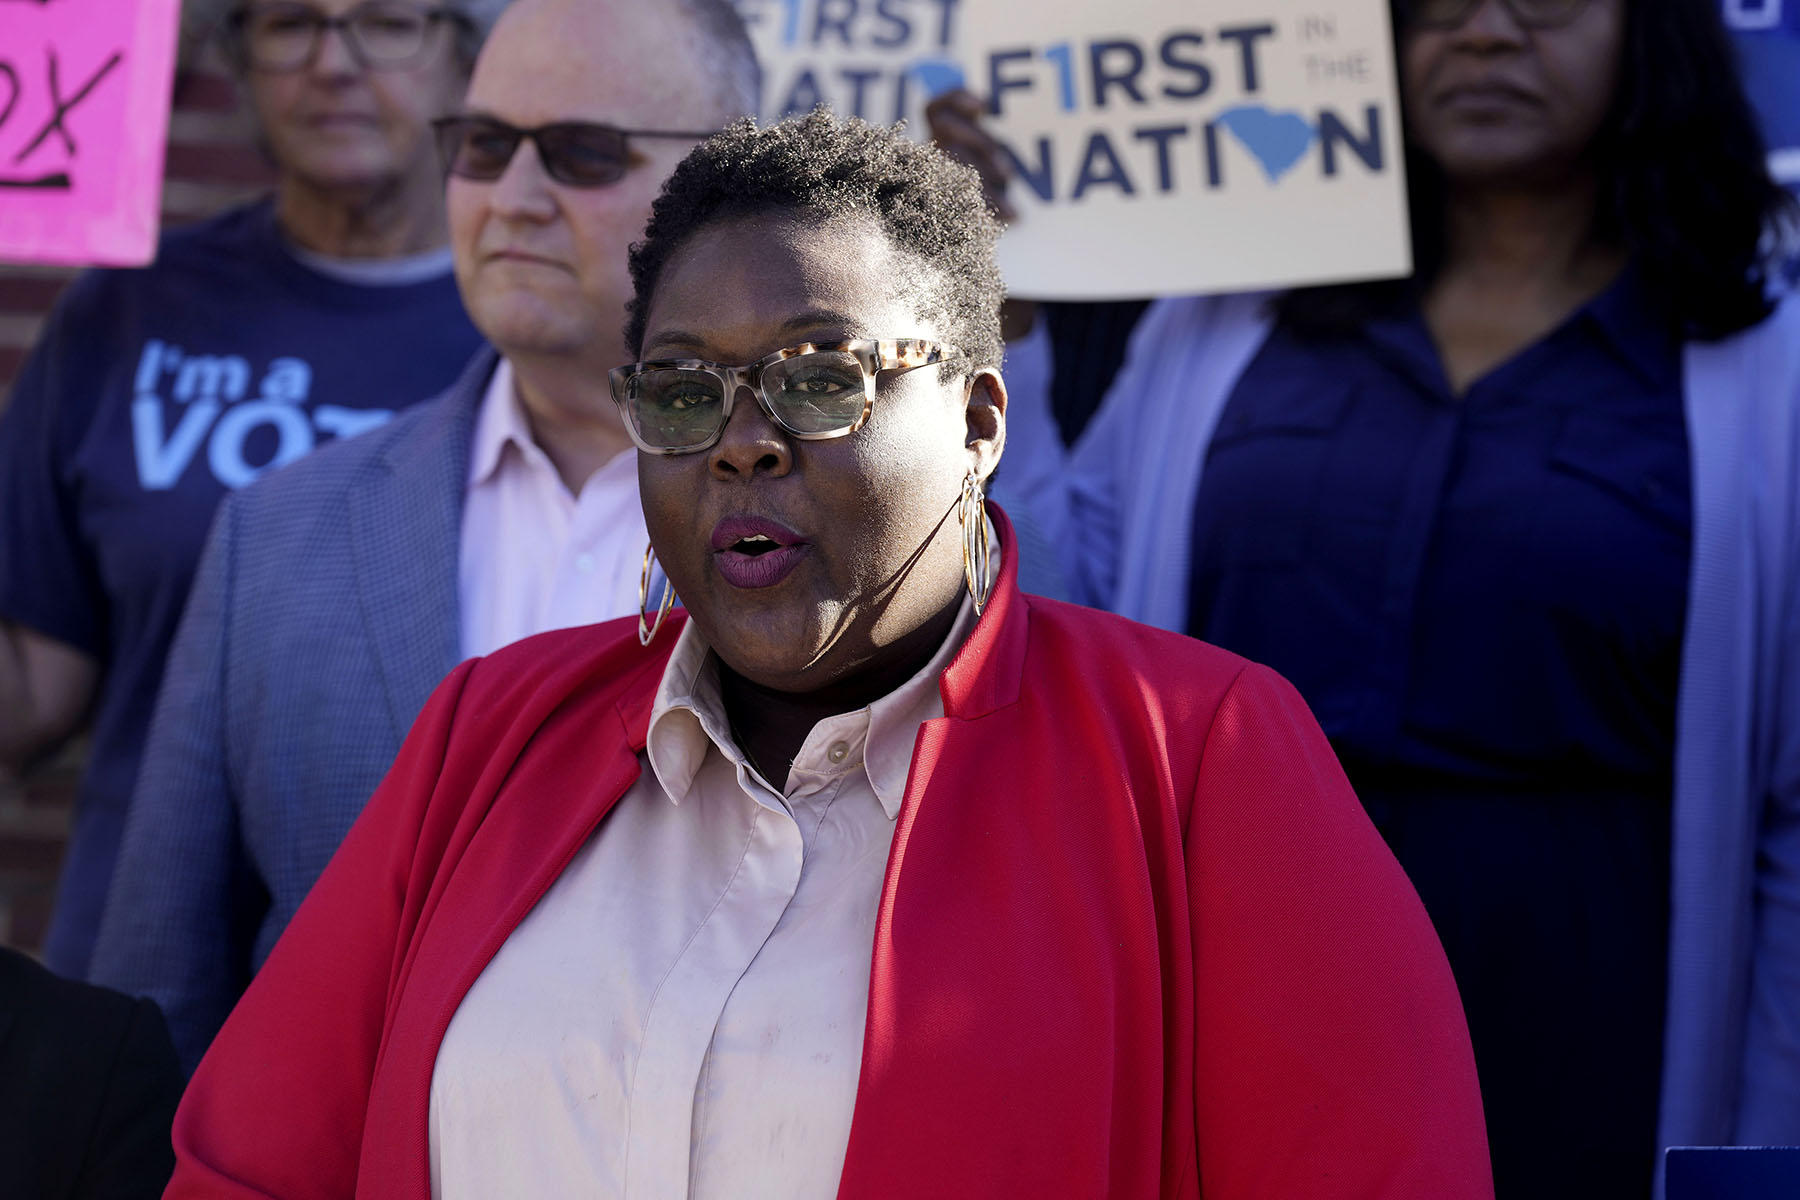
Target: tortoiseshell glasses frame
{"points": [[814, 391]]}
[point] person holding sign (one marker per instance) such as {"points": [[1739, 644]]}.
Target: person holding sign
{"points": [[867, 875], [1524, 530], [256, 336]]}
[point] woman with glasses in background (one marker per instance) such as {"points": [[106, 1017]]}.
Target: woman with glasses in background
{"points": [[1524, 531], [255, 336], [868, 874]]}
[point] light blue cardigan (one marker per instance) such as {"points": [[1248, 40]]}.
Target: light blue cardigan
{"points": [[1122, 514]]}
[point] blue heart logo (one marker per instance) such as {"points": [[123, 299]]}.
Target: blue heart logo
{"points": [[1277, 139], [936, 75]]}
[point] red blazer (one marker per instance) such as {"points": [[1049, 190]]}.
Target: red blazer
{"points": [[1137, 937]]}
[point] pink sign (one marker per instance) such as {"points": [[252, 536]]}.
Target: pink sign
{"points": [[84, 113]]}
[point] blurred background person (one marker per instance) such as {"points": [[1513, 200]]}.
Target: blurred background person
{"points": [[255, 336], [1522, 529], [335, 595], [619, 918], [88, 1088], [89, 1085]]}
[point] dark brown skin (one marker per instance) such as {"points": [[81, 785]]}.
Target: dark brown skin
{"points": [[1509, 113], [882, 579]]}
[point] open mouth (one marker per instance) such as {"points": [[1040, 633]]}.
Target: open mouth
{"points": [[754, 551], [756, 545]]}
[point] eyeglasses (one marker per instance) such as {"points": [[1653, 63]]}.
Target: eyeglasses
{"points": [[1450, 14], [813, 391], [379, 36], [578, 153]]}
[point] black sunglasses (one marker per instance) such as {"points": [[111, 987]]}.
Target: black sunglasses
{"points": [[578, 153]]}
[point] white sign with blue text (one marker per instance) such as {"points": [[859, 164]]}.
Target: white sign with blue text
{"points": [[1162, 147], [876, 59]]}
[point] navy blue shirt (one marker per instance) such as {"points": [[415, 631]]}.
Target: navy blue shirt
{"points": [[1482, 599], [150, 393]]}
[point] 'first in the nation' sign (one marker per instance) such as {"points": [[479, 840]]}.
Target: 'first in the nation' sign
{"points": [[84, 114], [1162, 147], [881, 60]]}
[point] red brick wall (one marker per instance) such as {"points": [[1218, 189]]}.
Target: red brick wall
{"points": [[211, 164]]}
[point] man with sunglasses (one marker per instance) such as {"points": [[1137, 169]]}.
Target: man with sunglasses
{"points": [[257, 334], [335, 595]]}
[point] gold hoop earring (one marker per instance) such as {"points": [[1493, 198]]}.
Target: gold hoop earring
{"points": [[646, 630], [971, 514]]}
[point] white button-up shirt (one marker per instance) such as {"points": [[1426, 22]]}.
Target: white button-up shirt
{"points": [[534, 557], [682, 1013]]}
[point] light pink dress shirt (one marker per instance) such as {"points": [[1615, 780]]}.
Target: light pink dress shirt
{"points": [[534, 557]]}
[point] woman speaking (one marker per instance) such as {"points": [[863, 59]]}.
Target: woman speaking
{"points": [[869, 875]]}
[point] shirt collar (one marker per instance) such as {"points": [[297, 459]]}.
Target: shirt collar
{"points": [[688, 718], [499, 423], [1632, 329], [1621, 316]]}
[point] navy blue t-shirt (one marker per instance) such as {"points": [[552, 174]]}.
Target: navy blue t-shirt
{"points": [[1482, 598], [150, 393]]}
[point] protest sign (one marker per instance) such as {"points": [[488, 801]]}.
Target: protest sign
{"points": [[876, 59], [84, 112], [1767, 33], [1165, 147]]}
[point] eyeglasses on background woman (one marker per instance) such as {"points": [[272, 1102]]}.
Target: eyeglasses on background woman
{"points": [[381, 35]]}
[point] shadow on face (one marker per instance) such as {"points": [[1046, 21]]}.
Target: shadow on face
{"points": [[1509, 91], [863, 553]]}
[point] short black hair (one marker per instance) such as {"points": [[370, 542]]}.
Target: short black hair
{"points": [[816, 165], [1685, 186]]}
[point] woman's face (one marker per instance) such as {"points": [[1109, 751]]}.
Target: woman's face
{"points": [[876, 549], [339, 125], [1494, 100]]}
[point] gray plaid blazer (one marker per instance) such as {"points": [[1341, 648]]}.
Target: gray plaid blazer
{"points": [[324, 612]]}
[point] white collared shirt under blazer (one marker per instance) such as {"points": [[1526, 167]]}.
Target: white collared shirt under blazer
{"points": [[682, 1013]]}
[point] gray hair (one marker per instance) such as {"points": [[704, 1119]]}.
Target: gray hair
{"points": [[203, 22]]}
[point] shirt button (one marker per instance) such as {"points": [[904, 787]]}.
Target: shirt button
{"points": [[584, 563], [838, 752]]}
